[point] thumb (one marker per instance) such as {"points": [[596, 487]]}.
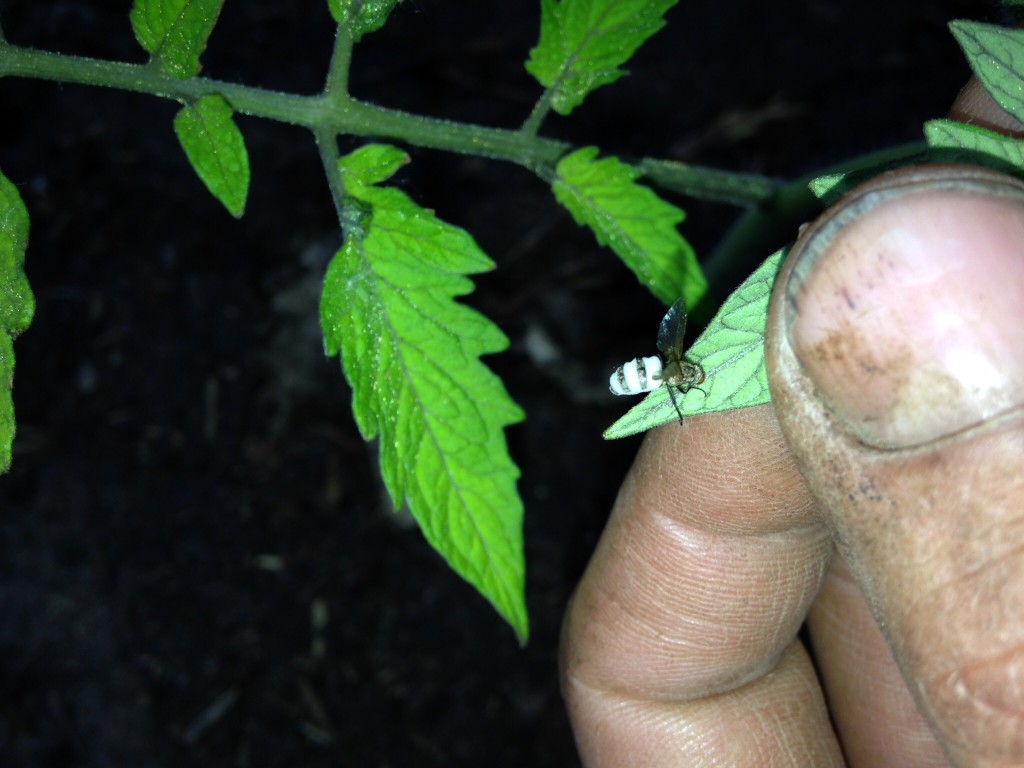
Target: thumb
{"points": [[895, 351]]}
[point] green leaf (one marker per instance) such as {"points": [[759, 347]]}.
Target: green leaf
{"points": [[995, 55], [830, 187], [960, 142], [633, 221], [216, 150], [174, 32], [584, 42], [372, 164], [412, 357], [17, 305], [731, 352], [361, 16]]}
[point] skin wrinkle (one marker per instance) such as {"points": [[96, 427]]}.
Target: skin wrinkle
{"points": [[646, 492], [984, 591], [976, 574], [803, 756], [958, 709], [732, 489], [995, 531], [631, 617], [673, 522], [953, 679], [679, 529], [698, 543], [762, 713], [619, 698], [663, 660], [1011, 657], [923, 605], [734, 619], [958, 538], [874, 695]]}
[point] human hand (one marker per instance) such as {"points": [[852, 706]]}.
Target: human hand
{"points": [[879, 498]]}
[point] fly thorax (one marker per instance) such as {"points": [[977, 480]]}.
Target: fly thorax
{"points": [[683, 375]]}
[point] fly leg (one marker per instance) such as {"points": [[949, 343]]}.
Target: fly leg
{"points": [[682, 391], [672, 396]]}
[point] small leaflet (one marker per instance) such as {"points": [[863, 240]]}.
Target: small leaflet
{"points": [[411, 354], [830, 187], [216, 149], [633, 221], [731, 352], [17, 304], [959, 142], [361, 16], [175, 32], [994, 54], [583, 44]]}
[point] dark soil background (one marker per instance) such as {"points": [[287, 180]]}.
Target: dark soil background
{"points": [[197, 565]]}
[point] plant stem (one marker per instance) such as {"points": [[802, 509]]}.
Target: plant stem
{"points": [[335, 111], [709, 183], [339, 113], [538, 113], [327, 145], [341, 58]]}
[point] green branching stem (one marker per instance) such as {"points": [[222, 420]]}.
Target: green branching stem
{"points": [[709, 183], [540, 110], [339, 113], [335, 111], [341, 58], [327, 144], [771, 204], [335, 90]]}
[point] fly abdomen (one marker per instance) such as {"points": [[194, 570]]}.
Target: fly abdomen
{"points": [[642, 374]]}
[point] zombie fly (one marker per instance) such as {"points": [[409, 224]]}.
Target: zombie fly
{"points": [[644, 374]]}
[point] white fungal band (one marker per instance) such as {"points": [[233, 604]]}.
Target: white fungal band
{"points": [[642, 374]]}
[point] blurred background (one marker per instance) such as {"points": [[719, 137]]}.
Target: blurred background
{"points": [[198, 566]]}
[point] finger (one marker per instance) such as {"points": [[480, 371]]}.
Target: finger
{"points": [[894, 350], [679, 644], [874, 714], [872, 709], [974, 105]]}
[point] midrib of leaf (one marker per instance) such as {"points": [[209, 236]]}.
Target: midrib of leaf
{"points": [[573, 57], [177, 20], [396, 340], [216, 147], [611, 222]]}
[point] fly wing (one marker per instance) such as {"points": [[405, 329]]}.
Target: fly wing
{"points": [[672, 332]]}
